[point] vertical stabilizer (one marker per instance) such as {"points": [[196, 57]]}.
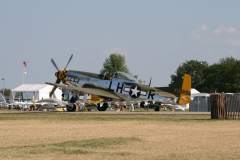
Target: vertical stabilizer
{"points": [[185, 93]]}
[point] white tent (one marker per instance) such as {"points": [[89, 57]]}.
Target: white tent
{"points": [[194, 91], [36, 92]]}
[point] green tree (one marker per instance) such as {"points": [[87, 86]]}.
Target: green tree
{"points": [[115, 62], [193, 67], [223, 76]]}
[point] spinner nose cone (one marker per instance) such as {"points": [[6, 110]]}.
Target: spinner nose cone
{"points": [[61, 75]]}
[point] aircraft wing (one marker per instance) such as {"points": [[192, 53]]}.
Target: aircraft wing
{"points": [[94, 91]]}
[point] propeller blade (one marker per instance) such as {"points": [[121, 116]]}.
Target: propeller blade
{"points": [[53, 90], [69, 61], [54, 64]]}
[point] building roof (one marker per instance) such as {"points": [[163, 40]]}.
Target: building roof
{"points": [[29, 87]]}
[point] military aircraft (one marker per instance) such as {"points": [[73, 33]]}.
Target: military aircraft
{"points": [[120, 87]]}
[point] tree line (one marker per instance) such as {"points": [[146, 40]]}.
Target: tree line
{"points": [[223, 76]]}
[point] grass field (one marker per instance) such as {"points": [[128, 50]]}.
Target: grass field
{"points": [[113, 136]]}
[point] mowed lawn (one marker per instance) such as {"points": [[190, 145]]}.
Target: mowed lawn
{"points": [[113, 136]]}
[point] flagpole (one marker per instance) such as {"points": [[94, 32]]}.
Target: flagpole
{"points": [[23, 78], [24, 73]]}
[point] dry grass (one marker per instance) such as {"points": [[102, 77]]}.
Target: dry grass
{"points": [[117, 136]]}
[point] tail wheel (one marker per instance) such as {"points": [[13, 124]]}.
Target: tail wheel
{"points": [[102, 106], [71, 108]]}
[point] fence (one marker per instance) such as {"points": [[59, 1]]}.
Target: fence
{"points": [[225, 106]]}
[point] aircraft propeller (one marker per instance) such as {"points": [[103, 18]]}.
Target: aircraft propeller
{"points": [[54, 63], [69, 60], [61, 75]]}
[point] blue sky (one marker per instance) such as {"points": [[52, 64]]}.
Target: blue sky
{"points": [[154, 35]]}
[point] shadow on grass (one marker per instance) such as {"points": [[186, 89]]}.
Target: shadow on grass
{"points": [[68, 147]]}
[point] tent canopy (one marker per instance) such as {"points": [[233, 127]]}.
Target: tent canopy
{"points": [[29, 87]]}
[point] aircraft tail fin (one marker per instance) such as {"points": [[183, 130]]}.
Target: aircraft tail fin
{"points": [[185, 93]]}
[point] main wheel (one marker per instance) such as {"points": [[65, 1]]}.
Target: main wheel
{"points": [[102, 106], [71, 108]]}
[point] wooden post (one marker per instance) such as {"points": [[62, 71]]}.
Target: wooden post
{"points": [[225, 106], [237, 105], [218, 109]]}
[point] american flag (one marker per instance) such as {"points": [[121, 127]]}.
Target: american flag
{"points": [[24, 63]]}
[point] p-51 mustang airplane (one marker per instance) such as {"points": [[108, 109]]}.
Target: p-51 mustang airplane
{"points": [[120, 87]]}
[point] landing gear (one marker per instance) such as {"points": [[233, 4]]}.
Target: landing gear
{"points": [[102, 106], [71, 107]]}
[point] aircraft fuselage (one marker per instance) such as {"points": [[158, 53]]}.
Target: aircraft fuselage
{"points": [[129, 88]]}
